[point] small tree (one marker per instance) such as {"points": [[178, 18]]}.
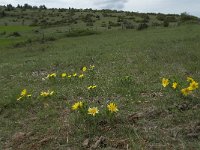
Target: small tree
{"points": [[42, 7], [165, 23], [186, 17], [9, 7], [142, 26], [2, 14]]}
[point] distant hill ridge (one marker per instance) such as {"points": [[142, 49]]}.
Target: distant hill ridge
{"points": [[89, 18]]}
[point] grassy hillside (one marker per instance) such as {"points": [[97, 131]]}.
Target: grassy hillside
{"points": [[129, 67]]}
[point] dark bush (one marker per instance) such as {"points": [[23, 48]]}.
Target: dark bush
{"points": [[109, 27], [50, 38], [3, 33], [145, 16], [89, 24], [165, 23], [113, 24], [2, 14], [186, 17], [120, 19], [34, 23], [103, 24], [171, 19], [142, 26], [77, 33], [128, 25], [98, 17], [156, 24], [160, 17], [15, 34]]}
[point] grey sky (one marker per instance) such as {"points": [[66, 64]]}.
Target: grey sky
{"points": [[163, 6]]}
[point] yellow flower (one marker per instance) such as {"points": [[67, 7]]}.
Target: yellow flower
{"points": [[63, 75], [81, 76], [46, 94], [24, 92], [93, 111], [75, 74], [165, 82], [112, 107], [91, 87], [185, 91], [77, 105], [174, 85], [92, 67], [193, 85], [53, 75], [189, 79], [84, 69], [69, 76]]}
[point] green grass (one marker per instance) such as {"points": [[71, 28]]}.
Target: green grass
{"points": [[15, 28], [157, 122]]}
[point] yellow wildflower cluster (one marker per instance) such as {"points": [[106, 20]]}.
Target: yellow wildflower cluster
{"points": [[69, 76], [92, 67], [53, 76], [23, 94], [46, 93], [50, 76], [193, 85], [77, 105], [65, 75], [112, 107], [89, 68]]}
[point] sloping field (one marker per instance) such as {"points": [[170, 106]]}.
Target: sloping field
{"points": [[129, 66]]}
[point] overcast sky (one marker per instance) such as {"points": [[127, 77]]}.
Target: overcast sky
{"points": [[163, 6]]}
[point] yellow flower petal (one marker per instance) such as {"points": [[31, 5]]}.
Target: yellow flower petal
{"points": [[165, 82], [84, 69], [174, 85], [185, 91], [93, 111], [112, 107], [63, 75]]}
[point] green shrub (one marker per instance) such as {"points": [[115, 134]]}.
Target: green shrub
{"points": [[3, 33], [142, 26], [165, 23], [15, 34], [156, 24], [113, 24], [186, 17], [161, 17], [103, 24], [171, 19], [77, 33], [89, 24]]}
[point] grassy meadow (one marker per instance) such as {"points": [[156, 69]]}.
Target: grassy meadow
{"points": [[129, 65]]}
